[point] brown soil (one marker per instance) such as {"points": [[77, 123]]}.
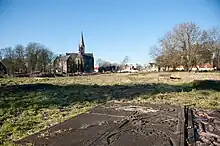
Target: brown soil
{"points": [[117, 124], [133, 125]]}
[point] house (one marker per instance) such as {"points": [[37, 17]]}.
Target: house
{"points": [[205, 67], [75, 62], [200, 67], [129, 68], [180, 68], [96, 68], [152, 67], [3, 69]]}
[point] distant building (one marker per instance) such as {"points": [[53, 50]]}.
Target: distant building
{"points": [[180, 68], [205, 67], [152, 67], [75, 62], [96, 68], [200, 67], [3, 69]]}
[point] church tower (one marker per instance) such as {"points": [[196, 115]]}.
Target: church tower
{"points": [[82, 45]]}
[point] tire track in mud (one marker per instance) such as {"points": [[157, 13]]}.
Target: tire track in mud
{"points": [[141, 124], [138, 130], [121, 124]]}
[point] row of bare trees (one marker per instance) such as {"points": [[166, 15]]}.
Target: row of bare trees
{"points": [[188, 45], [27, 59], [104, 63], [120, 66]]}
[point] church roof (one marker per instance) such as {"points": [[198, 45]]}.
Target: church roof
{"points": [[71, 53], [89, 54], [74, 55], [85, 54], [63, 58]]}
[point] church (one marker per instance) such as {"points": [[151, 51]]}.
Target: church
{"points": [[80, 62]]}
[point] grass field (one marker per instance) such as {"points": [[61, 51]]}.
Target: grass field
{"points": [[28, 105]]}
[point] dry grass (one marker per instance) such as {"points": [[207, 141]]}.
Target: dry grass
{"points": [[46, 101]]}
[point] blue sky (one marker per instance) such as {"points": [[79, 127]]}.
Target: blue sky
{"points": [[112, 28]]}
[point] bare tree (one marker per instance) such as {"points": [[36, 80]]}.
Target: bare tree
{"points": [[1, 54], [20, 58], [213, 44], [9, 59], [188, 45], [51, 58], [171, 53], [44, 59], [202, 52], [186, 36], [125, 60], [101, 62], [32, 51], [155, 51]]}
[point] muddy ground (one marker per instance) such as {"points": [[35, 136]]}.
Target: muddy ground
{"points": [[133, 125], [118, 125]]}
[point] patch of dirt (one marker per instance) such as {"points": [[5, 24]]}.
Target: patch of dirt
{"points": [[151, 125], [122, 124], [117, 124]]}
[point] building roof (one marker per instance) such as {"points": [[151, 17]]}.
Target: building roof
{"points": [[63, 58], [89, 54], [205, 65], [71, 53], [75, 54]]}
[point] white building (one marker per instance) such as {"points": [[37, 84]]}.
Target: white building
{"points": [[152, 67]]}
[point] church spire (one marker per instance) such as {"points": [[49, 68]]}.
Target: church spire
{"points": [[82, 40], [82, 45]]}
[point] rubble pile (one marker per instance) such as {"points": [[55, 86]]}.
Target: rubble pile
{"points": [[207, 125]]}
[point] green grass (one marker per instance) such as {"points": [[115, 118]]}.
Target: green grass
{"points": [[22, 109], [22, 113], [196, 99]]}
